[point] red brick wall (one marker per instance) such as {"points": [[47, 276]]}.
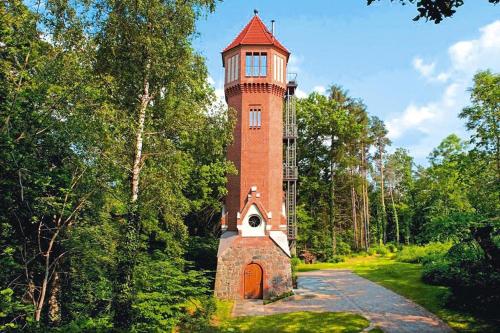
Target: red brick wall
{"points": [[256, 153]]}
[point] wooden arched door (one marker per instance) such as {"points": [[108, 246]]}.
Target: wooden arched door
{"points": [[253, 281]]}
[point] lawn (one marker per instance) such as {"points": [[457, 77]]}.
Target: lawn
{"points": [[304, 322], [405, 279]]}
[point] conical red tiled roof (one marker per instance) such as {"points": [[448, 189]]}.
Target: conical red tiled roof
{"points": [[256, 33]]}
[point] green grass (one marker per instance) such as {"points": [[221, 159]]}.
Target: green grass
{"points": [[303, 322], [405, 279]]}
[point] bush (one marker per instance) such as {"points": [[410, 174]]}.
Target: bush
{"points": [[336, 259], [379, 249], [416, 253], [343, 248], [162, 290], [474, 282], [295, 261], [11, 311], [392, 248]]}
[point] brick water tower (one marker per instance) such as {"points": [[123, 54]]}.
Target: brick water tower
{"points": [[254, 255]]}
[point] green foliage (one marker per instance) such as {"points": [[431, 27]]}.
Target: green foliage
{"points": [[474, 282], [406, 280], [295, 261], [434, 10], [161, 289], [392, 248], [12, 312], [86, 324], [419, 253]]}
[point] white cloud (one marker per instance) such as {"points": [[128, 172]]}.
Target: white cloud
{"points": [[294, 63], [437, 118], [413, 117], [300, 93], [218, 90], [210, 81], [320, 89], [426, 70], [469, 56]]}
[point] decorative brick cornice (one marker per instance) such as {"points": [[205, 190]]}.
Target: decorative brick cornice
{"points": [[261, 87]]}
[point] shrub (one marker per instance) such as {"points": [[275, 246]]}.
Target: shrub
{"points": [[343, 248], [382, 250], [11, 311], [162, 290], [295, 261], [474, 282], [392, 248], [336, 259], [416, 253], [379, 249]]}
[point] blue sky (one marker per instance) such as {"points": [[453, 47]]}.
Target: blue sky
{"points": [[413, 75]]}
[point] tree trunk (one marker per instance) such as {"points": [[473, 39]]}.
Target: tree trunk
{"points": [[366, 208], [128, 247], [136, 169], [40, 302], [353, 211], [382, 195], [395, 214], [332, 199], [54, 304]]}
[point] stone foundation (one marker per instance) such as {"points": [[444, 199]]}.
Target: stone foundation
{"points": [[237, 252]]}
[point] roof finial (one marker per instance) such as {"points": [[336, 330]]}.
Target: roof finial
{"points": [[255, 11]]}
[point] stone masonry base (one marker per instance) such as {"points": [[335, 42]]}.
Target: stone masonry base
{"points": [[231, 263]]}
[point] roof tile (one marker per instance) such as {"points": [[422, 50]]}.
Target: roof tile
{"points": [[256, 33]]}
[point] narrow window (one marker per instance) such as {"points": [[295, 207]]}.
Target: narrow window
{"points": [[274, 67], [233, 70], [263, 64], [248, 64], [227, 71], [255, 67], [255, 118], [282, 70], [237, 67]]}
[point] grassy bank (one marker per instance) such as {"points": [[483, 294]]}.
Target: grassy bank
{"points": [[405, 279]]}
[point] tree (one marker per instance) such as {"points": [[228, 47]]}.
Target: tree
{"points": [[434, 10], [482, 119], [158, 96], [51, 148], [400, 180], [379, 135]]}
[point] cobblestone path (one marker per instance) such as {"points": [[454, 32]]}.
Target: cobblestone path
{"points": [[344, 291]]}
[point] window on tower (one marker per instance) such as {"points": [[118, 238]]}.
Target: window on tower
{"points": [[278, 69], [256, 64], [232, 68], [255, 118]]}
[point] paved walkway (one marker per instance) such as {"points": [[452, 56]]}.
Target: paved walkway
{"points": [[344, 291]]}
